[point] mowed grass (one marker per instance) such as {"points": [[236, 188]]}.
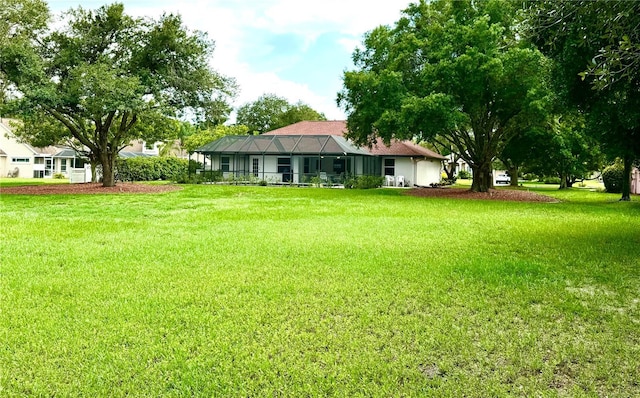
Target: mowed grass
{"points": [[261, 291]]}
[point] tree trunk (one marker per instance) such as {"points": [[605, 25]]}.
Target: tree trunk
{"points": [[94, 174], [451, 172], [563, 180], [513, 173], [482, 180], [570, 181], [108, 169], [626, 178]]}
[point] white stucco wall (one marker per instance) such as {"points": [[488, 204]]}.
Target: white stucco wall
{"points": [[405, 168], [428, 172], [14, 149], [417, 172]]}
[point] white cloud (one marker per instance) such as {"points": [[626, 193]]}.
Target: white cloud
{"points": [[256, 84], [229, 23]]}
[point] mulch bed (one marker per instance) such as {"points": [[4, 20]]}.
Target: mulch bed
{"points": [[511, 195], [88, 189]]}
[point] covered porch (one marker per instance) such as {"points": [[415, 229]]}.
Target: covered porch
{"points": [[288, 159]]}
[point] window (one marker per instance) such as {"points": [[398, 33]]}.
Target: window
{"points": [[284, 165], [48, 167], [20, 160], [256, 166], [224, 163], [389, 167], [338, 166], [63, 165], [311, 165], [38, 160]]}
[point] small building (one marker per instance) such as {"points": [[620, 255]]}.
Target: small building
{"points": [[19, 159], [304, 150]]}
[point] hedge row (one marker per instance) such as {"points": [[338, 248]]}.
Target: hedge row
{"points": [[613, 176], [150, 168]]}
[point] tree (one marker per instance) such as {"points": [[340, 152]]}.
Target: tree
{"points": [[441, 146], [270, 112], [20, 21], [565, 150], [104, 71], [449, 68], [205, 136], [596, 49]]}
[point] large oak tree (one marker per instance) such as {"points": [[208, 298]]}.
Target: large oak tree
{"points": [[455, 69], [596, 49], [103, 71]]}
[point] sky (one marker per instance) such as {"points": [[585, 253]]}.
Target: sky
{"points": [[296, 49]]}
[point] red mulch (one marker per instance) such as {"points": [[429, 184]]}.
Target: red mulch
{"points": [[88, 188], [512, 195]]}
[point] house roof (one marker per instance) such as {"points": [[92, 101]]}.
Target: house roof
{"points": [[129, 154], [404, 148], [339, 128], [325, 127], [66, 153], [275, 144]]}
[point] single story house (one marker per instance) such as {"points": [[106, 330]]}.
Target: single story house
{"points": [[19, 159], [308, 149]]}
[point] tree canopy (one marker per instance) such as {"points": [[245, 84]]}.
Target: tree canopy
{"points": [[596, 49], [204, 136], [270, 112], [453, 69], [97, 76]]}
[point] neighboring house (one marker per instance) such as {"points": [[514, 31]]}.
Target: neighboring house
{"points": [[25, 161], [143, 148], [308, 149], [22, 160], [461, 164], [635, 181]]}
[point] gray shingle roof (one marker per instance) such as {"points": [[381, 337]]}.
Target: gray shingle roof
{"points": [[283, 144]]}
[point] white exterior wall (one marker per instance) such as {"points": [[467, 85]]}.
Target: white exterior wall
{"points": [[405, 167], [14, 149], [428, 172], [635, 181]]}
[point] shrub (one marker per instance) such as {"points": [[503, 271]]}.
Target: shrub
{"points": [[449, 181], [316, 181], [150, 168], [194, 165], [613, 176], [212, 175], [58, 176], [552, 180], [185, 178], [364, 182], [464, 174]]}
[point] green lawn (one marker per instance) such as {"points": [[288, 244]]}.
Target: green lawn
{"points": [[263, 291]]}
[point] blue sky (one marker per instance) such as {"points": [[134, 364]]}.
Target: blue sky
{"points": [[295, 49]]}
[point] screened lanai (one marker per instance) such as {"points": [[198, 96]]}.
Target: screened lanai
{"points": [[288, 158]]}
